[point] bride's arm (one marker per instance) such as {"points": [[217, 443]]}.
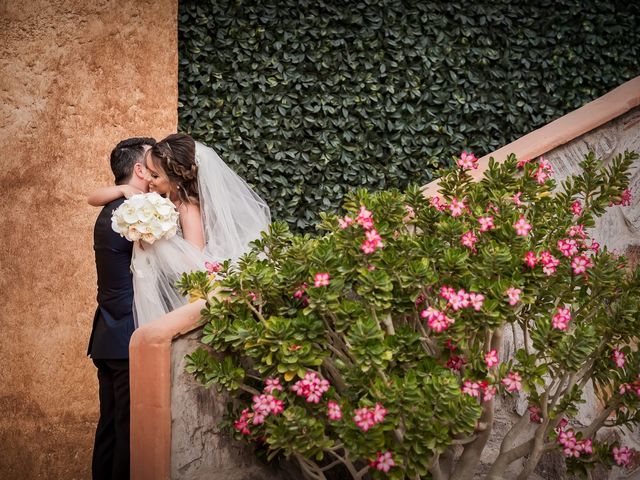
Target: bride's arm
{"points": [[104, 195], [191, 223]]}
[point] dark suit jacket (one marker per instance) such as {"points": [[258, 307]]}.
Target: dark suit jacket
{"points": [[113, 321]]}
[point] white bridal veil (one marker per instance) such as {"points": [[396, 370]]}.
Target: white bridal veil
{"points": [[233, 215]]}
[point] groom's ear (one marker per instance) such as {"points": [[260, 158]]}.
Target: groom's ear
{"points": [[140, 171]]}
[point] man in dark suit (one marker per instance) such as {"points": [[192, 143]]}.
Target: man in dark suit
{"points": [[113, 320]]}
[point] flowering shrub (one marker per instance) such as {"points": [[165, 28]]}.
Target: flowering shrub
{"points": [[379, 345]]}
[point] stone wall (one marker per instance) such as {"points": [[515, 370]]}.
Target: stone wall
{"points": [[199, 445], [77, 77]]}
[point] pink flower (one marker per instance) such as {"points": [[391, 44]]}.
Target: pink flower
{"points": [[522, 227], [457, 207], [516, 198], [322, 279], [561, 319], [373, 242], [568, 246], [580, 263], [334, 411], [469, 239], [576, 231], [534, 414], [522, 163], [365, 218], [212, 267], [456, 363], [618, 358], [471, 388], [514, 295], [576, 208], [365, 418], [595, 246], [264, 405], [622, 455], [345, 222], [439, 322], [530, 259], [272, 384], [242, 424], [476, 300], [446, 292], [437, 203], [587, 446], [459, 300], [384, 462], [543, 171], [299, 293], [625, 200], [549, 262], [513, 382], [491, 358], [488, 391], [311, 387], [486, 223], [467, 161]]}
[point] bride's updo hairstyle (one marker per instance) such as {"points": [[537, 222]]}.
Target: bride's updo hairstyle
{"points": [[175, 155]]}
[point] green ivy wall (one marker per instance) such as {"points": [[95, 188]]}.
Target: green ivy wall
{"points": [[307, 99]]}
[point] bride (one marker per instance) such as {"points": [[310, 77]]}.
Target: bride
{"points": [[219, 215]]}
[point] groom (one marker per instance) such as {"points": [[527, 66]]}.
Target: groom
{"points": [[113, 320]]}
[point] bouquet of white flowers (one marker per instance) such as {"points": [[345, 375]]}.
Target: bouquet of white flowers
{"points": [[147, 216]]}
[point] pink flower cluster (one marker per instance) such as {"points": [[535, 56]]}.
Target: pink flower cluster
{"points": [[477, 389], [334, 412], [625, 199], [618, 358], [372, 243], [623, 455], [633, 387], [561, 319], [212, 267], [543, 172], [549, 262], [365, 418], [534, 414], [384, 462], [264, 405], [571, 446], [311, 387], [456, 362], [300, 294], [272, 385], [437, 203], [486, 223], [436, 320], [467, 161], [461, 298], [516, 199], [512, 382], [568, 246], [365, 220], [242, 424]]}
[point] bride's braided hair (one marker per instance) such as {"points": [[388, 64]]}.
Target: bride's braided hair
{"points": [[176, 156]]}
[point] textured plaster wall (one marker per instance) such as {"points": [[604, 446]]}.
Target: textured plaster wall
{"points": [[75, 78]]}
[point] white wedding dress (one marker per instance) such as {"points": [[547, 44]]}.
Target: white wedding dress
{"points": [[233, 215]]}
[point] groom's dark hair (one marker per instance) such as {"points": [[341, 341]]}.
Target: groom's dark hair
{"points": [[126, 154]]}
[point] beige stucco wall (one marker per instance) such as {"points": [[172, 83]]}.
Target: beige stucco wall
{"points": [[75, 78]]}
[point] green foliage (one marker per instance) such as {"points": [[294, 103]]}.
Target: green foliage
{"points": [[365, 329], [309, 100]]}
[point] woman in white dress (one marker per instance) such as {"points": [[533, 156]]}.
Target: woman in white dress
{"points": [[219, 215]]}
